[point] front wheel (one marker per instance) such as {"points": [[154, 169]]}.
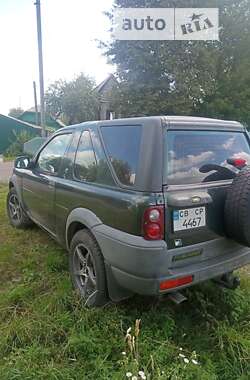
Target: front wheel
{"points": [[87, 269], [17, 216]]}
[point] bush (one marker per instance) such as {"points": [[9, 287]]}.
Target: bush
{"points": [[16, 148]]}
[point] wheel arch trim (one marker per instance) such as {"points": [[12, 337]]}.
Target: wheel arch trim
{"points": [[83, 216], [13, 184]]}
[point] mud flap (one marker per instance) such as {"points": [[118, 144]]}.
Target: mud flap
{"points": [[115, 291]]}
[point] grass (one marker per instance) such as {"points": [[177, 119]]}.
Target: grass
{"points": [[46, 333]]}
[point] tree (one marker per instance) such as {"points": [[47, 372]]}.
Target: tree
{"points": [[16, 112], [232, 98], [183, 77], [74, 101]]}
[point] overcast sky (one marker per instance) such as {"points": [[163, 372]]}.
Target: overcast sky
{"points": [[70, 28]]}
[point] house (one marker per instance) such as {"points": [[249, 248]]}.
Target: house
{"points": [[10, 126], [29, 120], [31, 117], [104, 90]]}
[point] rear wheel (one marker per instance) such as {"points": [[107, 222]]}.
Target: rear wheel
{"points": [[17, 216], [87, 269]]}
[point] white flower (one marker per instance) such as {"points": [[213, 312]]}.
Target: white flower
{"points": [[124, 353], [186, 360], [181, 348], [182, 356], [195, 362], [129, 330], [129, 374], [134, 378], [142, 375]]}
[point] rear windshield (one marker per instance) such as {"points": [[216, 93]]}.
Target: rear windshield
{"points": [[201, 156]]}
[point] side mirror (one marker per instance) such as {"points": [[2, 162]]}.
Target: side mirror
{"points": [[23, 162]]}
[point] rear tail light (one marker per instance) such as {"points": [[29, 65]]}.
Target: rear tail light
{"points": [[153, 223], [238, 163], [169, 284]]}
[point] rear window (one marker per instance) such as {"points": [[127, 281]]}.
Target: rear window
{"points": [[123, 147], [201, 156]]}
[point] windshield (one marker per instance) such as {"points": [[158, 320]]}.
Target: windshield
{"points": [[201, 156]]}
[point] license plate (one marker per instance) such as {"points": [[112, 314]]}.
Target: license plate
{"points": [[190, 218]]}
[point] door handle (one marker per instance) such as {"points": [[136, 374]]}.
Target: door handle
{"points": [[188, 199]]}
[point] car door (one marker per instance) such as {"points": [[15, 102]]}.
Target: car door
{"points": [[39, 183]]}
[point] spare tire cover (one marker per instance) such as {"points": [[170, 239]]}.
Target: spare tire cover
{"points": [[237, 208]]}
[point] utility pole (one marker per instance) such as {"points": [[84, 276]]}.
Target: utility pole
{"points": [[35, 102], [40, 61]]}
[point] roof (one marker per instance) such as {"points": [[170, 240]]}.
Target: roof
{"points": [[194, 119], [104, 83], [33, 109], [29, 116], [171, 121], [189, 122], [21, 122]]}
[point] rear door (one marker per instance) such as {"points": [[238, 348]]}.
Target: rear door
{"points": [[197, 176]]}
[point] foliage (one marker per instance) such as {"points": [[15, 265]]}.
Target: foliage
{"points": [[16, 112], [186, 77], [16, 148], [232, 98], [74, 101], [47, 334]]}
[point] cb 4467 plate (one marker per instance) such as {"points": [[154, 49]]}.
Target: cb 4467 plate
{"points": [[190, 218]]}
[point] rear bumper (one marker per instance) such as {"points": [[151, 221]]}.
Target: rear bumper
{"points": [[140, 266], [200, 272]]}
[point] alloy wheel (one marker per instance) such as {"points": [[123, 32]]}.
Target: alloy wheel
{"points": [[84, 270], [15, 208]]}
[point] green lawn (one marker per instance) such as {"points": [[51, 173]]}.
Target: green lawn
{"points": [[46, 333]]}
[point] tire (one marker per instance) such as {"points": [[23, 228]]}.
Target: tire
{"points": [[87, 269], [237, 208], [17, 216]]}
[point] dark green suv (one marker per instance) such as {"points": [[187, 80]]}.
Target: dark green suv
{"points": [[143, 205]]}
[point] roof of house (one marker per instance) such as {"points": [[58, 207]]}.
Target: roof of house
{"points": [[19, 122], [104, 83], [29, 116]]}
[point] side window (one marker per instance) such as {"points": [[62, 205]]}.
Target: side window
{"points": [[104, 175], [69, 158], [123, 146], [85, 162], [90, 162], [51, 156]]}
